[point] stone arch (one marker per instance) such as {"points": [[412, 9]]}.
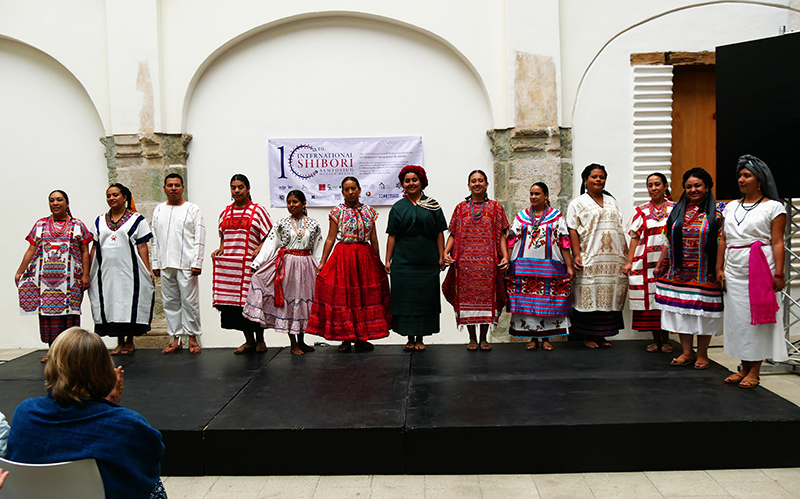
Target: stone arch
{"points": [[320, 16]]}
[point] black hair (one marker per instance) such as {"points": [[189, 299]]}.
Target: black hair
{"points": [[544, 188], [241, 177], [674, 229], [174, 175], [663, 178], [66, 198], [588, 171], [341, 186], [300, 196], [126, 193], [485, 193]]}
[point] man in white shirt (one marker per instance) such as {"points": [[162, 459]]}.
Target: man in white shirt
{"points": [[179, 239]]}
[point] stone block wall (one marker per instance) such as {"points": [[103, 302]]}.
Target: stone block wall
{"points": [[140, 162]]}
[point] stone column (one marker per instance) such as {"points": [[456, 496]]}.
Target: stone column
{"points": [[140, 162], [535, 150]]}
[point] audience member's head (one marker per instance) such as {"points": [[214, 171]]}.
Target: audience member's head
{"points": [[79, 368]]}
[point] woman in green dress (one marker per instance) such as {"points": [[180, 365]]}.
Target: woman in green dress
{"points": [[414, 258]]}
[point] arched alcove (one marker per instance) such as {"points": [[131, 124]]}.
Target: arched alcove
{"points": [[49, 139], [336, 76]]}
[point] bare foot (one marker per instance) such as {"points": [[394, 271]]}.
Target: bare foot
{"points": [[590, 343], [344, 347], [296, 350], [127, 349], [244, 348], [485, 346], [306, 348], [116, 350], [472, 346], [261, 347]]}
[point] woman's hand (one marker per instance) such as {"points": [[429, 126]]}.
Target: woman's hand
{"points": [[626, 269], [448, 260], [216, 253], [442, 265], [319, 268], [116, 394], [778, 283], [570, 272], [84, 281], [503, 265], [17, 277], [578, 262]]}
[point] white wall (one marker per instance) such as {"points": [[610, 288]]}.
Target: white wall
{"points": [[603, 114], [586, 27], [335, 77], [49, 135], [194, 29]]}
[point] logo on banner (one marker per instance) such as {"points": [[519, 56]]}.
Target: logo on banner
{"points": [[306, 161]]}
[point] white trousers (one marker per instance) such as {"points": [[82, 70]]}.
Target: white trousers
{"points": [[179, 294]]}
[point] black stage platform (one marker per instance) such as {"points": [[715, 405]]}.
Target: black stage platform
{"points": [[444, 411]]}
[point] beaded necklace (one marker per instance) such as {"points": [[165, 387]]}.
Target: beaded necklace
{"points": [[658, 214], [51, 225], [476, 215], [294, 227], [746, 209]]}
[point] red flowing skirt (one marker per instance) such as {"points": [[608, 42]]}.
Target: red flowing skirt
{"points": [[351, 299]]}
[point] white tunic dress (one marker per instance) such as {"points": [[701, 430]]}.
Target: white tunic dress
{"points": [[743, 340], [121, 289]]}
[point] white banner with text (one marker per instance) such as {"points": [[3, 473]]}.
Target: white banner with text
{"points": [[317, 167]]}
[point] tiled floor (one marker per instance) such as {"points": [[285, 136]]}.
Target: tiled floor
{"points": [[744, 484]]}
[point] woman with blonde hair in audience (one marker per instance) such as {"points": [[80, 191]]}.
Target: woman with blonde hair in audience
{"points": [[80, 418]]}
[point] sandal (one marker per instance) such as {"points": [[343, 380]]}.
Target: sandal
{"points": [[344, 347], [685, 362], [546, 345], [702, 365], [172, 347], [126, 350], [472, 346], [44, 359], [261, 347], [409, 347], [653, 347], [116, 350], [419, 346], [735, 378], [591, 344], [485, 346], [666, 347], [533, 345], [749, 382], [244, 348], [195, 349]]}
